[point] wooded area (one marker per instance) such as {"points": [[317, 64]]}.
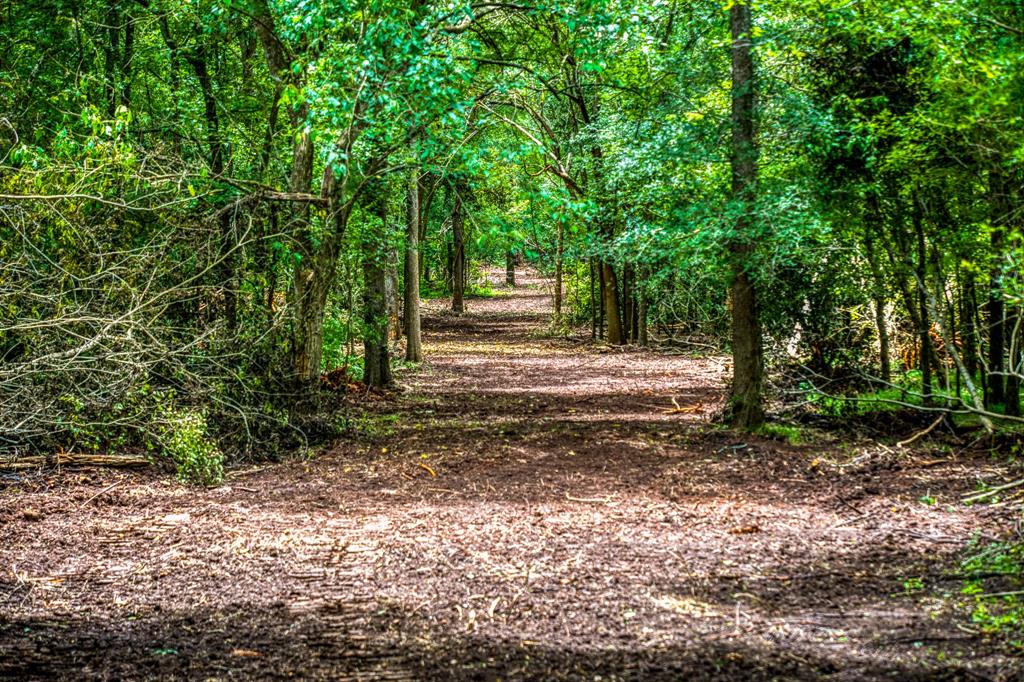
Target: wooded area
{"points": [[756, 262]]}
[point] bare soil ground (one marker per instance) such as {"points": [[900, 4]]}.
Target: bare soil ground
{"points": [[528, 508]]}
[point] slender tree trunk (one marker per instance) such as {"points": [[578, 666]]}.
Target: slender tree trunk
{"points": [[559, 287], [426, 201], [968, 316], [127, 59], [746, 410], [413, 338], [1016, 356], [110, 50], [392, 292], [376, 319], [610, 298], [628, 329], [996, 309], [312, 285], [878, 299], [641, 315], [458, 254], [593, 302], [510, 268], [922, 299]]}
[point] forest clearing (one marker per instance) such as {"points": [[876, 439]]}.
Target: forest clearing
{"points": [[542, 512], [527, 340]]}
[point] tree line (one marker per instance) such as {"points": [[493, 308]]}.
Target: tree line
{"points": [[206, 206]]}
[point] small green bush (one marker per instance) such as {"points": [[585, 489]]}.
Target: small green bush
{"points": [[183, 439]]}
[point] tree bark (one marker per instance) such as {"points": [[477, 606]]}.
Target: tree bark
{"points": [[559, 258], [924, 328], [458, 253], [392, 295], [968, 317], [878, 293], [996, 309], [510, 268], [610, 299], [376, 357], [746, 410], [413, 337]]}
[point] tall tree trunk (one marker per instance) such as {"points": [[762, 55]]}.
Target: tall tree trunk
{"points": [[426, 201], [641, 313], [1016, 357], [392, 293], [376, 358], [559, 286], [593, 302], [411, 308], [458, 253], [924, 329], [313, 282], [996, 309], [110, 50], [968, 317], [510, 268], [610, 299], [878, 296], [746, 410], [1014, 317], [127, 58], [312, 277], [627, 303]]}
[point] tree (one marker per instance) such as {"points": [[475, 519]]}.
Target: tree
{"points": [[745, 402]]}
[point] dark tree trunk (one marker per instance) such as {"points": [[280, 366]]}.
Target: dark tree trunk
{"points": [[628, 330], [924, 328], [413, 335], [968, 317], [393, 295], [458, 253], [127, 57], [510, 268], [878, 296], [559, 287], [593, 302], [1014, 368], [610, 300], [110, 50], [376, 318], [746, 410], [996, 309]]}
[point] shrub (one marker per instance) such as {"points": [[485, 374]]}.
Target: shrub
{"points": [[182, 438]]}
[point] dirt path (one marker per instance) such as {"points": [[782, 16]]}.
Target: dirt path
{"points": [[527, 510]]}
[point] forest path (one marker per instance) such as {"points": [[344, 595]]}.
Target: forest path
{"points": [[527, 509]]}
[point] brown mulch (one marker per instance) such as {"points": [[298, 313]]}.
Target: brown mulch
{"points": [[528, 508]]}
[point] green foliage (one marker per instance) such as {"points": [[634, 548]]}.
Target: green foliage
{"points": [[995, 587], [793, 435], [181, 436]]}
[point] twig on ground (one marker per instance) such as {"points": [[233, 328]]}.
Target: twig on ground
{"points": [[921, 434], [105, 490], [993, 491]]}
